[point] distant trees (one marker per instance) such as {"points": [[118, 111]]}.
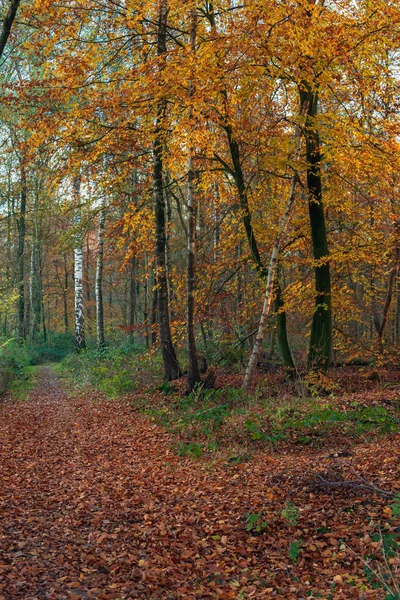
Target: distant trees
{"points": [[195, 110]]}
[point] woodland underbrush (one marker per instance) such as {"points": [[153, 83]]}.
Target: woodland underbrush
{"points": [[113, 371], [54, 349], [313, 413], [15, 364]]}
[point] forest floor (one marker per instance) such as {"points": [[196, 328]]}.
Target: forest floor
{"points": [[96, 504]]}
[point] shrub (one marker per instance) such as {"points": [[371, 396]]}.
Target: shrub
{"points": [[110, 371], [55, 349], [14, 360]]}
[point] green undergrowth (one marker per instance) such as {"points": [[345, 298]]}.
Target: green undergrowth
{"points": [[14, 364], [207, 421], [55, 349], [21, 387], [111, 371]]}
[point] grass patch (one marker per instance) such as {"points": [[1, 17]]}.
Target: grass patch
{"points": [[21, 387]]}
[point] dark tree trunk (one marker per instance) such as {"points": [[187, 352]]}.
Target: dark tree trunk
{"points": [[36, 293], [154, 311], [146, 303], [170, 361], [389, 294], [193, 370], [282, 332], [132, 299], [42, 312], [320, 348], [21, 224], [7, 24]]}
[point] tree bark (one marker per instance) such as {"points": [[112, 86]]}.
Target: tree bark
{"points": [[35, 287], [21, 225], [389, 294], [193, 369], [320, 348], [171, 366], [154, 311], [132, 299], [80, 341], [99, 280], [7, 24], [283, 342], [65, 294]]}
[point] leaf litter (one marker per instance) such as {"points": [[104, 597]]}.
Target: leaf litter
{"points": [[94, 504]]}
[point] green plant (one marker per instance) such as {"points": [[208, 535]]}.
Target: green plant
{"points": [[14, 361], [291, 513], [395, 506], [255, 522], [238, 459], [166, 388], [190, 450], [55, 349], [110, 371], [253, 428], [294, 550]]}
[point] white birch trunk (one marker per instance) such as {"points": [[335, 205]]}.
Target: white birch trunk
{"points": [[99, 280], [252, 364], [80, 342]]}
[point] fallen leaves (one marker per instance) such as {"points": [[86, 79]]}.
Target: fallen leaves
{"points": [[111, 513]]}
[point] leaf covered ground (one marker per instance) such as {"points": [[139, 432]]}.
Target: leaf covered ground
{"points": [[95, 503]]}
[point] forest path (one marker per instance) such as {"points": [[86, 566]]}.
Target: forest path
{"points": [[94, 504]]}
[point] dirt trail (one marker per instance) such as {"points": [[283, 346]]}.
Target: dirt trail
{"points": [[94, 504]]}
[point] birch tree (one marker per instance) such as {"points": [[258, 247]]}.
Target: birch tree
{"points": [[99, 279], [79, 339]]}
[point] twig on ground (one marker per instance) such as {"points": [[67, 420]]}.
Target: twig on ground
{"points": [[360, 484]]}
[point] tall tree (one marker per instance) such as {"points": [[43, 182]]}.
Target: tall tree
{"points": [[319, 354], [171, 365], [99, 279], [79, 338], [193, 370], [21, 224]]}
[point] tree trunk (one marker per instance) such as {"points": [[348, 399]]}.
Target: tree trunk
{"points": [[146, 301], [282, 332], [21, 224], [132, 300], [251, 367], [99, 281], [170, 361], [80, 341], [320, 348], [7, 24], [65, 295], [193, 370], [389, 294], [87, 286], [35, 287], [42, 311]]}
